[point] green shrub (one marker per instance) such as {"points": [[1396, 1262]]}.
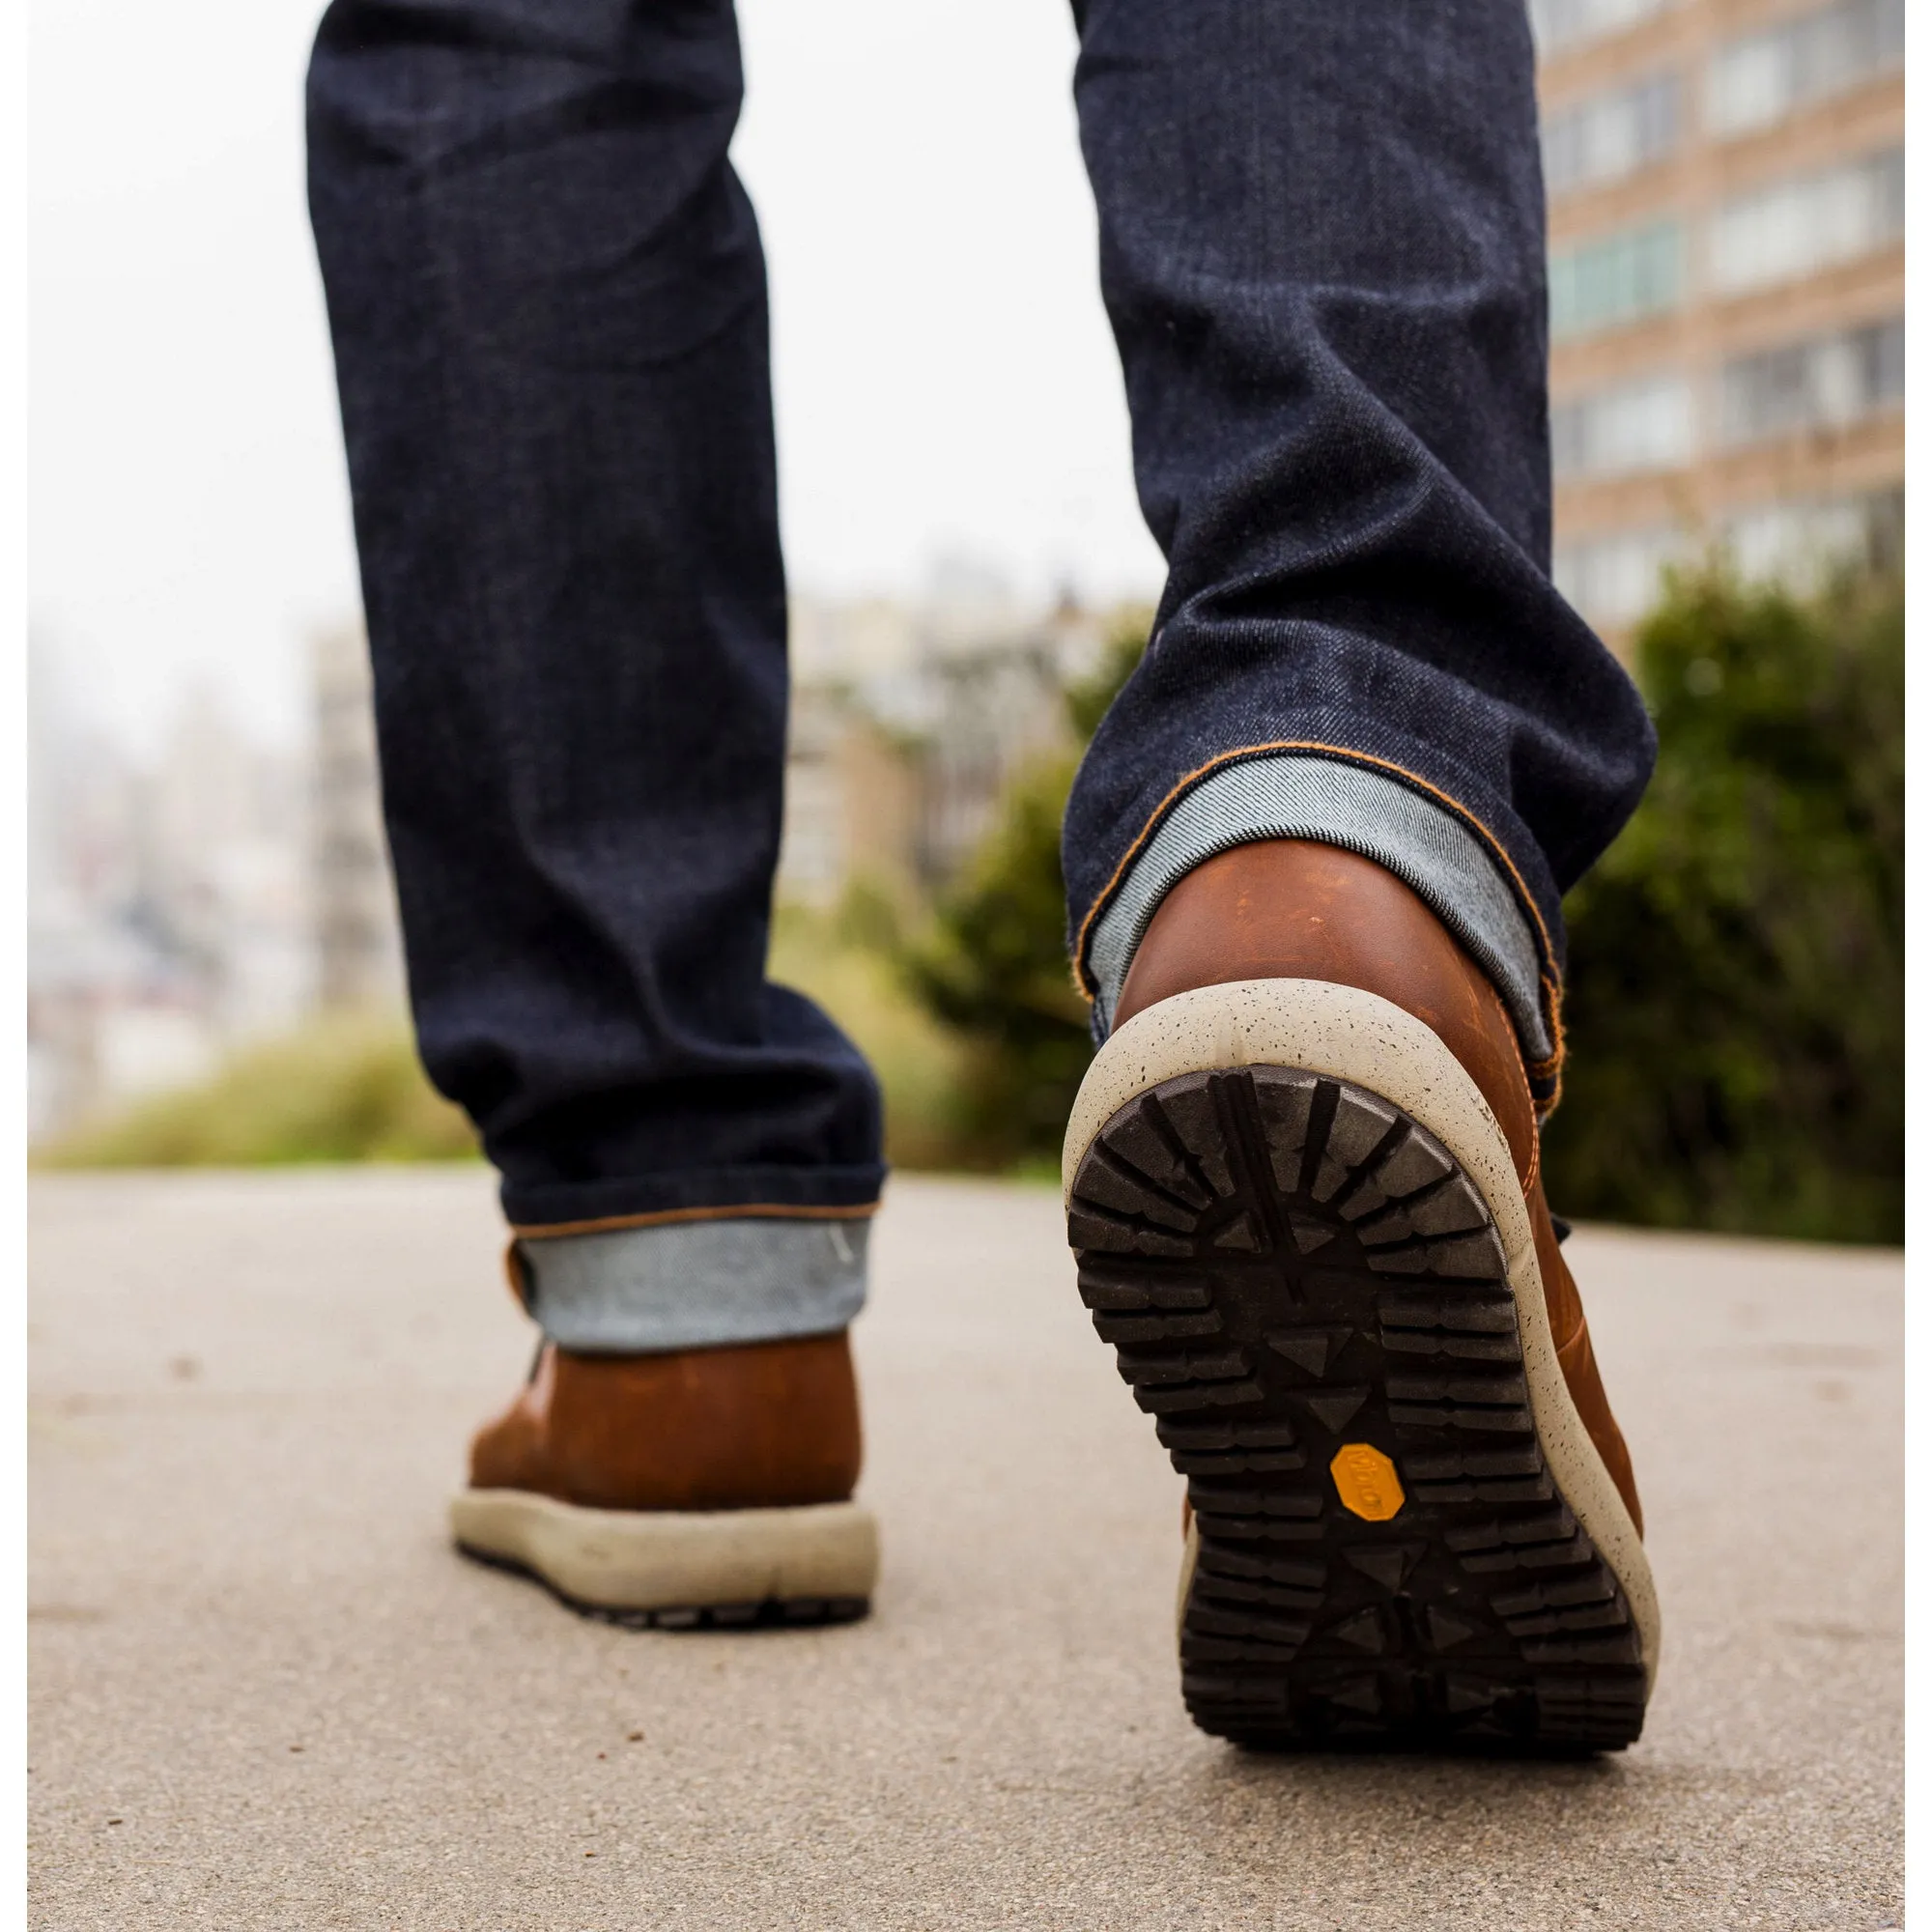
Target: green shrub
{"points": [[1735, 1006], [347, 1086], [992, 967]]}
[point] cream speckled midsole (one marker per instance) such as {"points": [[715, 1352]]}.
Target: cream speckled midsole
{"points": [[1345, 1034], [674, 1559]]}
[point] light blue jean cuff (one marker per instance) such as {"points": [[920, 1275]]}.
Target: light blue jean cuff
{"points": [[695, 1284], [1294, 796]]}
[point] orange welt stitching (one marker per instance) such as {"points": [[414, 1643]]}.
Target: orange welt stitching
{"points": [[1340, 752], [668, 1216]]}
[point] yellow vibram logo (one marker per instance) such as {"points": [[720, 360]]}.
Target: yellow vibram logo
{"points": [[1366, 1481]]}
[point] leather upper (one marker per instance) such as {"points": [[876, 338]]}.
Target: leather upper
{"points": [[756, 1426], [1289, 908]]}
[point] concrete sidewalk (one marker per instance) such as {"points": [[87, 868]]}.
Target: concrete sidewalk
{"points": [[265, 1693]]}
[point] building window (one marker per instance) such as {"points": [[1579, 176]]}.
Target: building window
{"points": [[1559, 25], [1801, 544], [1649, 424], [1821, 384], [1618, 278], [1611, 134], [1801, 226], [1762, 77], [1614, 580]]}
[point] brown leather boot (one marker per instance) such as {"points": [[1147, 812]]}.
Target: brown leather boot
{"points": [[1301, 1182], [704, 1485]]}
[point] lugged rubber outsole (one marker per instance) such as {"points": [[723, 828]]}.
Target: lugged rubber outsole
{"points": [[1311, 1294], [680, 1568]]}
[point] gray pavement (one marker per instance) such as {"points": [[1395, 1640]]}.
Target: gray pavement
{"points": [[265, 1693]]}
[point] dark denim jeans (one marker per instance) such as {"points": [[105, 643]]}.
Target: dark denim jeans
{"points": [[1322, 248]]}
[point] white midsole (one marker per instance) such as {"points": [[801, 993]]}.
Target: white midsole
{"points": [[1349, 1035], [674, 1559]]}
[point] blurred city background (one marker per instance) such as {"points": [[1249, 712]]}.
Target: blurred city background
{"points": [[213, 967]]}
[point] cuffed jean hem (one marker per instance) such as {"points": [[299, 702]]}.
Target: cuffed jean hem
{"points": [[1296, 796], [694, 1284]]}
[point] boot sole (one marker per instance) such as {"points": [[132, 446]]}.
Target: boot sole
{"points": [[1299, 1224], [677, 1569]]}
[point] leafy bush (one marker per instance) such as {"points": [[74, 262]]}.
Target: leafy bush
{"points": [[347, 1086], [1735, 1012], [1735, 1007], [993, 968]]}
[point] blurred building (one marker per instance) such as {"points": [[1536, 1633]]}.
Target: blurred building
{"points": [[167, 900], [221, 885], [357, 933], [852, 802], [1001, 703], [908, 721], [1726, 286]]}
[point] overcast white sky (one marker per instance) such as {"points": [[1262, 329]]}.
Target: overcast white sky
{"points": [[946, 381]]}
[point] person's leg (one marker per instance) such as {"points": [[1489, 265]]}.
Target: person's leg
{"points": [[1315, 856], [548, 302], [1322, 248]]}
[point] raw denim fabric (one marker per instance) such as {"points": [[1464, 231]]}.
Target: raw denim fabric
{"points": [[1321, 251], [548, 300]]}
